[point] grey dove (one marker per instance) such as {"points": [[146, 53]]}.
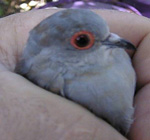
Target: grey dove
{"points": [[72, 53]]}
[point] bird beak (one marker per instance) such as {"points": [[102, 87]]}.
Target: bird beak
{"points": [[114, 41]]}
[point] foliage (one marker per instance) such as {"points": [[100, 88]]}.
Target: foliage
{"points": [[8, 7]]}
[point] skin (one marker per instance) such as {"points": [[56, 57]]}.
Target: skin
{"points": [[29, 112]]}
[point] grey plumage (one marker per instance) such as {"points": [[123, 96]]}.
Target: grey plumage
{"points": [[101, 78]]}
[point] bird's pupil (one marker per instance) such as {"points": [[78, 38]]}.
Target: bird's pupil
{"points": [[82, 41]]}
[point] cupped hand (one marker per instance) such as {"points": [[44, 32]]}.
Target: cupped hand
{"points": [[29, 112]]}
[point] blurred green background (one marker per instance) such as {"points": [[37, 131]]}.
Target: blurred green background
{"points": [[8, 7]]}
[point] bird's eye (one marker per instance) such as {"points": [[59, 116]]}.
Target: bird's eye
{"points": [[83, 40]]}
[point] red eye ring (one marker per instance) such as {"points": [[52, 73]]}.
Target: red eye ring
{"points": [[82, 40]]}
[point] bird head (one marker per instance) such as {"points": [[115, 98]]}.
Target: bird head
{"points": [[74, 31]]}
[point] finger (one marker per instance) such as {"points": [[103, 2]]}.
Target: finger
{"points": [[130, 26], [14, 32], [29, 112], [141, 125], [137, 30]]}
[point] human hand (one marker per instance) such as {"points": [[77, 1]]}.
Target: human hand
{"points": [[33, 113], [137, 30]]}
